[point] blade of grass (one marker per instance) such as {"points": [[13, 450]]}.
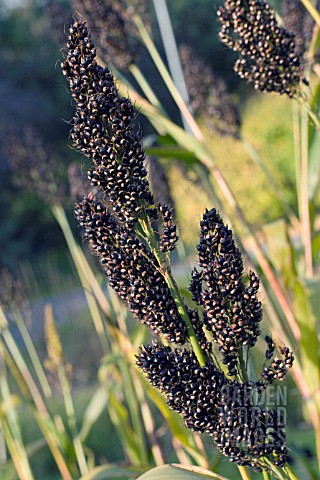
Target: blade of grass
{"points": [[312, 10], [33, 355], [91, 287], [304, 194]]}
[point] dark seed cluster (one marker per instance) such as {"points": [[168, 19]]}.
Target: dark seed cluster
{"points": [[209, 97], [195, 386], [267, 54], [130, 270], [169, 236], [33, 164], [103, 129], [231, 309], [212, 404], [279, 366], [298, 21]]}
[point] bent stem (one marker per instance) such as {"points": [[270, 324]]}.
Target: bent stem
{"points": [[165, 271]]}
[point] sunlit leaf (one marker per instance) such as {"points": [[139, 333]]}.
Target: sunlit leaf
{"points": [[179, 472], [112, 472]]}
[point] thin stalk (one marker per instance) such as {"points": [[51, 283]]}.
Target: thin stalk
{"points": [[19, 361], [33, 355], [266, 475], [92, 290], [145, 86], [244, 473], [174, 291], [167, 79], [150, 426], [71, 416], [304, 196], [312, 10], [172, 54], [290, 473]]}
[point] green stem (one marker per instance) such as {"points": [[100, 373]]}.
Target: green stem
{"points": [[244, 473], [313, 12], [69, 406], [174, 291]]}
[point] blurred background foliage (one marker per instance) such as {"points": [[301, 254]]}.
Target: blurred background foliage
{"points": [[32, 90]]}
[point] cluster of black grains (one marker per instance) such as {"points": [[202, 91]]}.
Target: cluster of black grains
{"points": [[169, 236], [111, 23], [231, 309], [103, 130], [297, 20], [267, 53], [209, 96], [278, 367], [210, 403], [130, 270], [33, 164]]}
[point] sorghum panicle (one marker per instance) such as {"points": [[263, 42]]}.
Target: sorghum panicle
{"points": [[103, 129], [209, 96], [208, 399], [210, 403], [130, 270], [231, 309], [169, 236], [267, 53]]}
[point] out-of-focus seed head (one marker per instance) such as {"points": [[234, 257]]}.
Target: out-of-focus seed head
{"points": [[209, 97], [112, 25], [33, 164], [298, 21], [267, 54], [12, 295]]}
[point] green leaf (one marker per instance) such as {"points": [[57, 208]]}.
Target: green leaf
{"points": [[307, 310], [314, 164], [112, 472], [93, 411], [173, 152], [179, 472], [280, 250]]}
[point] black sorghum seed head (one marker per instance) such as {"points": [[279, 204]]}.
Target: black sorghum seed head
{"points": [[33, 164], [232, 311], [103, 129], [208, 94], [130, 270], [267, 54], [169, 236], [210, 403]]}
